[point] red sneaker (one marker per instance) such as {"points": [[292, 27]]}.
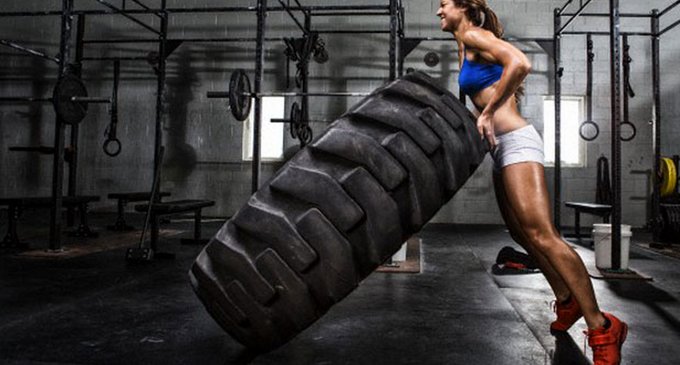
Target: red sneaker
{"points": [[606, 343], [567, 315]]}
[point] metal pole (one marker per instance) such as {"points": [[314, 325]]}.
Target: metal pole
{"points": [[656, 120], [73, 165], [402, 26], [292, 16], [394, 22], [305, 79], [626, 78], [214, 9], [580, 10], [590, 57], [59, 133], [615, 59], [27, 50], [557, 203], [259, 70], [183, 40], [337, 31], [125, 14], [669, 8], [605, 15], [160, 89], [675, 24], [598, 33]]}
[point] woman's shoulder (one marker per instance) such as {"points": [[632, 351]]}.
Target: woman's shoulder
{"points": [[476, 35]]}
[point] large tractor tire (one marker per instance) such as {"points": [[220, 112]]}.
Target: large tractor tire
{"points": [[336, 211]]}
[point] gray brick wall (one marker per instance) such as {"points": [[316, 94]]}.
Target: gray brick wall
{"points": [[204, 142]]}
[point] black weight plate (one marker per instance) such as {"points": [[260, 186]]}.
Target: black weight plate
{"points": [[431, 59], [239, 95], [71, 112], [295, 113]]}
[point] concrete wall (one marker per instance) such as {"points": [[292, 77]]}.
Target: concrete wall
{"points": [[204, 142]]}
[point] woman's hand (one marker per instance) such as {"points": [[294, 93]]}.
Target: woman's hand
{"points": [[485, 128]]}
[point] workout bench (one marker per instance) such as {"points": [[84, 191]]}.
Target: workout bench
{"points": [[15, 207], [176, 207], [600, 210], [123, 199]]}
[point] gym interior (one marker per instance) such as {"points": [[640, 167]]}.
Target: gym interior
{"points": [[133, 133]]}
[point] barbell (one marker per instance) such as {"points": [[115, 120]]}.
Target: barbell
{"points": [[240, 94], [69, 98]]}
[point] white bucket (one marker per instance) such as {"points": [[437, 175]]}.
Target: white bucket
{"points": [[400, 256], [602, 238]]}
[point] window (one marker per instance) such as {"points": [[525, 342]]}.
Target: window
{"points": [[573, 148], [271, 142]]}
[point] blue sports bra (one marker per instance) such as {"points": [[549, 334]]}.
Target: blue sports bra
{"points": [[475, 76]]}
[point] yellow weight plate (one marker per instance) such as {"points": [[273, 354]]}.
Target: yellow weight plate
{"points": [[669, 176]]}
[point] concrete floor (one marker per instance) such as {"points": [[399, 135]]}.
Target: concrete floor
{"points": [[98, 310]]}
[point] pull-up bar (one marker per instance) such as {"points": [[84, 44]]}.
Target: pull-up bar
{"points": [[583, 32], [125, 14], [605, 15], [230, 9]]}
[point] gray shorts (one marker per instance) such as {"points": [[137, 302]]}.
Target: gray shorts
{"points": [[521, 145]]}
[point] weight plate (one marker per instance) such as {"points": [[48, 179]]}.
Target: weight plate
{"points": [[668, 176], [71, 112], [431, 59], [295, 119], [239, 95]]}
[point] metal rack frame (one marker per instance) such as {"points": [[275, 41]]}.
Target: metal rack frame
{"points": [[394, 9], [614, 34]]}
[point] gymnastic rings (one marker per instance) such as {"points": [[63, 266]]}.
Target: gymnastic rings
{"points": [[112, 147], [584, 130], [633, 131], [595, 131]]}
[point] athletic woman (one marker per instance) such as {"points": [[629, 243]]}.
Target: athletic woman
{"points": [[491, 74]]}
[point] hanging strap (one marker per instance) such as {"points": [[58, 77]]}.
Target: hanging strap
{"points": [[604, 189]]}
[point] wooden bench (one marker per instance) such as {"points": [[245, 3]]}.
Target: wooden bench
{"points": [[15, 207], [123, 200], [600, 210], [176, 207]]}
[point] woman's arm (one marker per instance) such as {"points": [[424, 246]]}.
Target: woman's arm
{"points": [[516, 67]]}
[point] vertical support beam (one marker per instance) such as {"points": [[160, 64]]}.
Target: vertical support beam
{"points": [[73, 164], [160, 90], [557, 202], [394, 25], [259, 70], [305, 75], [615, 70], [401, 30], [59, 133], [656, 126], [590, 56]]}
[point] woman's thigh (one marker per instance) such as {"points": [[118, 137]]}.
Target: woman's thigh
{"points": [[527, 197]]}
